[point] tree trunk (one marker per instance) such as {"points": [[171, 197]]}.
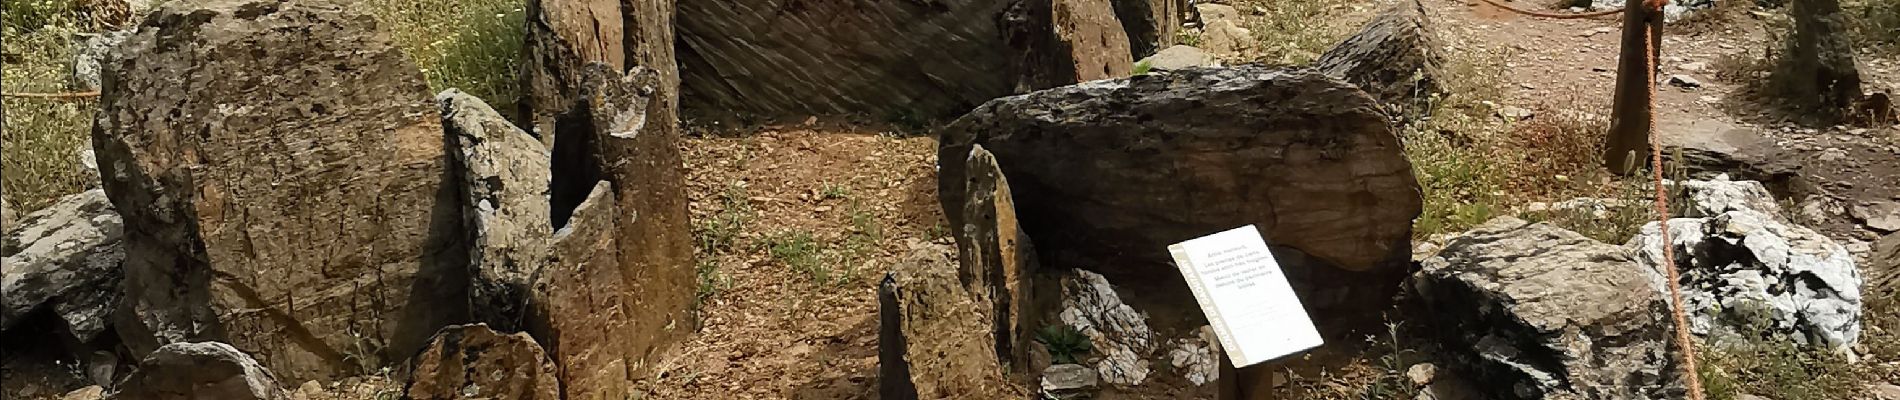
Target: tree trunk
{"points": [[1632, 117], [1817, 74]]}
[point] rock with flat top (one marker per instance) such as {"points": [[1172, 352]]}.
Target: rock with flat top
{"points": [[1537, 312], [1308, 158], [66, 259], [203, 370], [1179, 57]]}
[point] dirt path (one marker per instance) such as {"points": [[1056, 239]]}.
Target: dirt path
{"points": [[799, 225]]}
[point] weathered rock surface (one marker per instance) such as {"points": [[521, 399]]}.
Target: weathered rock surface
{"points": [[1718, 196], [1396, 58], [89, 55], [1743, 271], [65, 258], [1067, 380], [565, 36], [475, 362], [1179, 57], [1115, 330], [1150, 24], [1226, 38], [503, 175], [935, 338], [882, 59], [1309, 159], [1062, 42], [1708, 148], [1538, 312], [1197, 357], [621, 133], [995, 257], [281, 172], [584, 304], [203, 370]]}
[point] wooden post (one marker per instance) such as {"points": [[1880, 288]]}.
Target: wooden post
{"points": [[1631, 118], [1251, 383]]}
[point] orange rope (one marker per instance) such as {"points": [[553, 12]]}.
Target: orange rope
{"points": [[1654, 9], [1683, 339], [61, 96], [1495, 3]]}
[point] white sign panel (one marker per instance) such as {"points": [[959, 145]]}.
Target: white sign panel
{"points": [[1245, 296]]}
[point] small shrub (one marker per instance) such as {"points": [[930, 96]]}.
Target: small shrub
{"points": [[1066, 345]]}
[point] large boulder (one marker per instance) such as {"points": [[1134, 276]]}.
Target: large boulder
{"points": [[64, 258], [1538, 312], [885, 59], [1062, 42], [503, 175], [995, 257], [281, 171], [583, 304], [1150, 24], [622, 133], [935, 337], [475, 362], [1396, 58], [565, 36], [204, 370], [1743, 272], [1309, 159]]}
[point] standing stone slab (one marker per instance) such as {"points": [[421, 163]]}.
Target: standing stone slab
{"points": [[1107, 174], [1538, 312], [934, 335], [885, 59], [282, 175], [583, 307], [503, 174], [995, 257], [1151, 24], [636, 147], [475, 362], [67, 258], [1062, 42], [565, 36]]}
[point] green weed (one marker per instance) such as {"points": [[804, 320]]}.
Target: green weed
{"points": [[1066, 345], [799, 251]]}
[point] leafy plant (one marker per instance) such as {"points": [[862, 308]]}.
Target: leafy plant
{"points": [[1066, 345], [1142, 67]]}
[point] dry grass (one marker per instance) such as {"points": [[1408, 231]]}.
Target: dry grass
{"points": [[1294, 32], [472, 45], [42, 137]]}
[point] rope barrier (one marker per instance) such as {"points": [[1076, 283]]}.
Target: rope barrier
{"points": [[56, 96], [1604, 13], [1684, 341]]}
